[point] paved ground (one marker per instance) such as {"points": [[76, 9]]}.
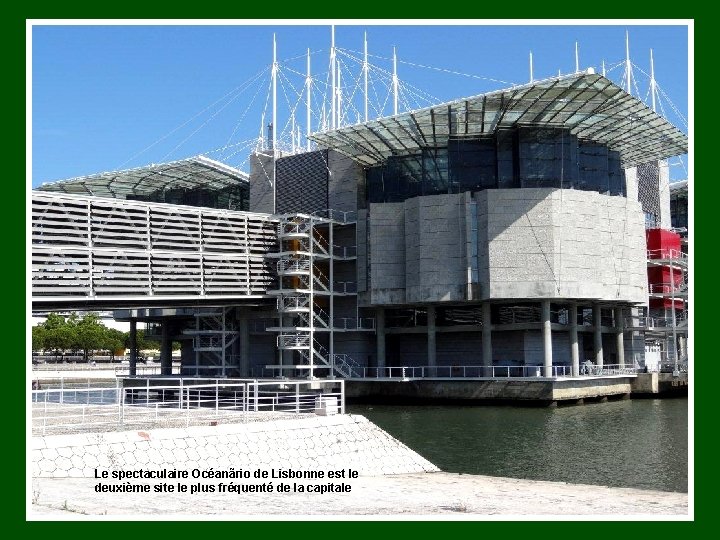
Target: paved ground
{"points": [[455, 495]]}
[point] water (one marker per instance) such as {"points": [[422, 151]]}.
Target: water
{"points": [[631, 443]]}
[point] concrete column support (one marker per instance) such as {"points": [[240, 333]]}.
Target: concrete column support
{"points": [[619, 336], [165, 349], [244, 324], [597, 322], [133, 347], [574, 349], [547, 339], [431, 341], [487, 355], [380, 335]]}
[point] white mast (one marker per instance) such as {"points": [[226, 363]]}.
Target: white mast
{"points": [[577, 58], [365, 74], [339, 98], [531, 67], [274, 91], [308, 85], [653, 87], [274, 122], [603, 68], [332, 78], [628, 66], [395, 83]]}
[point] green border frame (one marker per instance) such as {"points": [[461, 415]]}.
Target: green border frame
{"points": [[14, 38]]}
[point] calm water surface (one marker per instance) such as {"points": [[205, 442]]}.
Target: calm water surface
{"points": [[632, 443]]}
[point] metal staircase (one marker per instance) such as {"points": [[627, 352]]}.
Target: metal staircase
{"points": [[213, 337], [303, 264]]}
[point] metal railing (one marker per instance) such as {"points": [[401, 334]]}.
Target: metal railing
{"points": [[654, 322], [667, 253], [293, 340], [350, 323], [293, 265], [495, 372], [160, 402], [339, 216], [142, 370]]}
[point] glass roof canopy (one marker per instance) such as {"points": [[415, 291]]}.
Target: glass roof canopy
{"points": [[191, 173], [591, 106]]}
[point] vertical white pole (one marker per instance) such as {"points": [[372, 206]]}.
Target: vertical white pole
{"points": [[274, 120], [274, 90], [577, 58], [308, 84], [365, 75], [339, 98], [652, 79], [628, 68], [395, 82], [531, 67], [603, 68], [332, 78]]}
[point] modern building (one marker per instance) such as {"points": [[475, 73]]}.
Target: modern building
{"points": [[501, 234]]}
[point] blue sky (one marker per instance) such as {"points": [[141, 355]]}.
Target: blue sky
{"points": [[109, 97]]}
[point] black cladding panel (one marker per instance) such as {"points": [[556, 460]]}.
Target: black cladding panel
{"points": [[302, 183]]}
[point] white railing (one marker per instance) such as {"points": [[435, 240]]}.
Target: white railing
{"points": [[143, 370], [293, 340], [495, 372], [654, 322], [293, 265], [667, 254], [159, 402], [294, 227], [668, 288], [293, 302], [337, 215]]}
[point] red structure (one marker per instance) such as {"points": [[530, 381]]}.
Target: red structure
{"points": [[665, 276]]}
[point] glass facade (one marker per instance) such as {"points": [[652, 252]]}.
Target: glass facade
{"points": [[510, 158], [234, 197]]}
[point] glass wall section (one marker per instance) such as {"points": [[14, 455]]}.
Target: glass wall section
{"points": [[507, 165], [616, 174], [593, 167], [435, 172], [472, 164], [399, 179], [526, 156], [547, 157]]}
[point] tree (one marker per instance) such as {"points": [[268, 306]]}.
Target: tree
{"points": [[38, 338], [57, 333], [113, 340], [90, 334]]}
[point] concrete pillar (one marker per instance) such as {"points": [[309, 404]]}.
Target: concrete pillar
{"points": [[574, 349], [380, 335], [486, 340], [597, 322], [244, 346], [133, 347], [620, 327], [431, 342], [547, 339], [165, 349]]}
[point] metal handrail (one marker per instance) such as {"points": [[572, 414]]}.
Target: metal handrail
{"points": [[495, 372], [181, 402]]}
